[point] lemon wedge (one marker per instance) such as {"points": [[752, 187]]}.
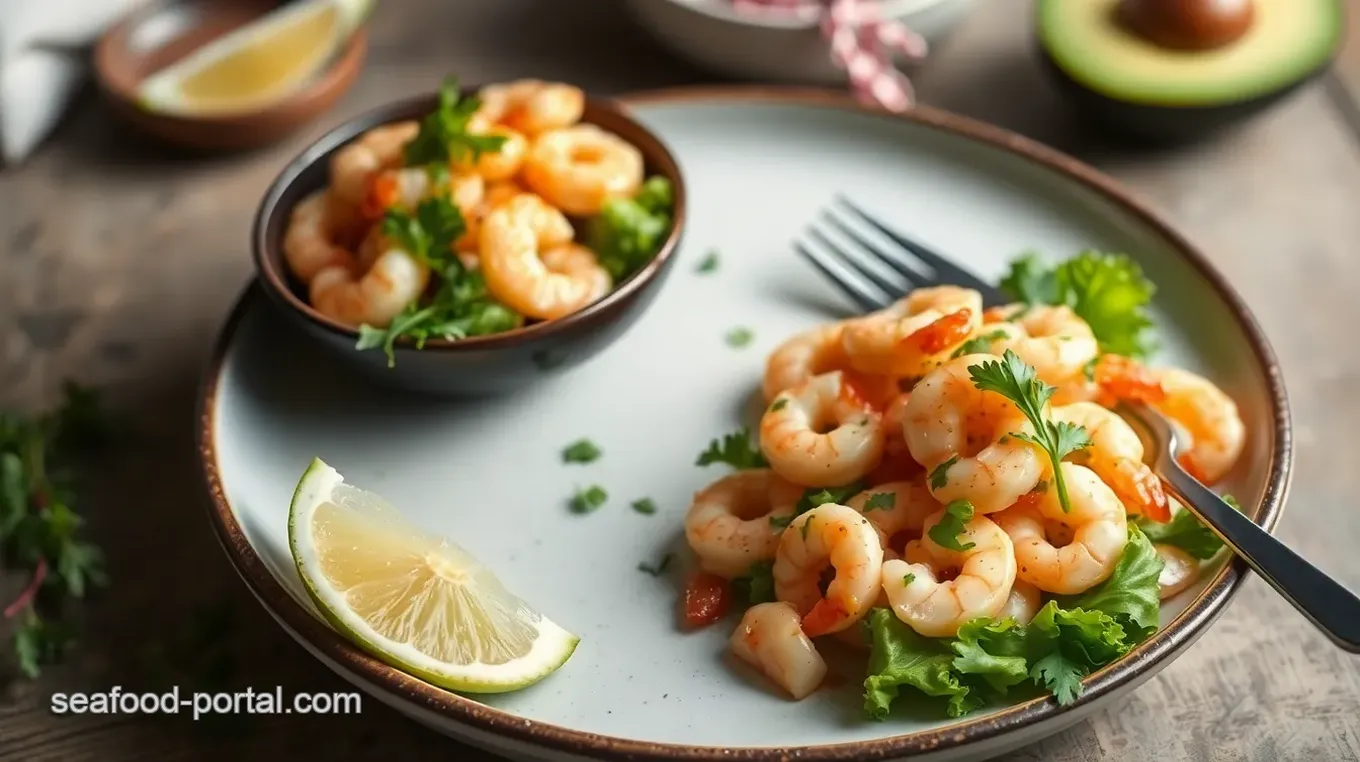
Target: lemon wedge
{"points": [[414, 599], [257, 64]]}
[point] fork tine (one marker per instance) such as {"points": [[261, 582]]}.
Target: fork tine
{"points": [[945, 270], [858, 293], [846, 257], [915, 277]]}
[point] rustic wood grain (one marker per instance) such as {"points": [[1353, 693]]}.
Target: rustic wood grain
{"points": [[118, 259]]}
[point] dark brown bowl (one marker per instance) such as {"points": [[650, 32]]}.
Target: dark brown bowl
{"points": [[136, 47], [478, 364]]}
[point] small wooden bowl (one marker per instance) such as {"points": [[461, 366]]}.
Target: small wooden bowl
{"points": [[478, 365], [162, 33]]}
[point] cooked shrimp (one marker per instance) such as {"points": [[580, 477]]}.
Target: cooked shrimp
{"points": [[835, 535], [1208, 416], [530, 106], [1179, 571], [405, 188], [530, 264], [1057, 342], [950, 424], [1023, 603], [914, 335], [935, 607], [505, 162], [792, 438], [577, 169], [355, 164], [1099, 533], [729, 526], [497, 194], [807, 354], [395, 280], [770, 638], [897, 464], [910, 503], [309, 241], [1116, 454]]}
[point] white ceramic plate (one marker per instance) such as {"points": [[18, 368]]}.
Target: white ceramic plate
{"points": [[759, 164]]}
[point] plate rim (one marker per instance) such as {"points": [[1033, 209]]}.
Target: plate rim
{"points": [[1177, 635]]}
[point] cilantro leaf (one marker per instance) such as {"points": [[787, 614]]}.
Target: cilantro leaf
{"points": [[814, 496], [898, 658], [880, 501], [1031, 281], [735, 449], [757, 585], [781, 522], [444, 136], [1059, 675], [659, 568], [628, 232], [38, 642], [1017, 381], [1131, 594], [1183, 531], [580, 451], [953, 523], [995, 651], [708, 264], [1108, 291], [908, 578], [779, 404], [978, 344], [739, 337], [939, 476], [645, 506], [588, 499]]}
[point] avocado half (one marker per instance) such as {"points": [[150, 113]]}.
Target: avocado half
{"points": [[1141, 89]]}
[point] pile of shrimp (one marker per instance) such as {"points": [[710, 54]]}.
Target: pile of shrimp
{"points": [[884, 401], [515, 202]]}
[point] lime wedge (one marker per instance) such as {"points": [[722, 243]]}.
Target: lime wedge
{"points": [[412, 598], [257, 64]]}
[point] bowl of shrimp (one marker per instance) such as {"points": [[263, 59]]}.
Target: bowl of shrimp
{"points": [[470, 241]]}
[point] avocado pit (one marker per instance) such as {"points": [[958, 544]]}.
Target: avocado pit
{"points": [[1187, 24]]}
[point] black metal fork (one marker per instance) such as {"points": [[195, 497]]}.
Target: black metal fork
{"points": [[847, 257]]}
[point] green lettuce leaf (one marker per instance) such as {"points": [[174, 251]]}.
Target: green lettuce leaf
{"points": [[1131, 594], [1183, 531], [899, 657], [628, 232]]}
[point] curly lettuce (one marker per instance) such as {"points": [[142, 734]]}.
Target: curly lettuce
{"points": [[628, 232]]}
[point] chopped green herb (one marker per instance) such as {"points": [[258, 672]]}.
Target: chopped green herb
{"points": [[428, 234], [781, 522], [709, 263], [805, 526], [779, 404], [659, 568], [735, 449], [813, 497], [1232, 501], [953, 523], [444, 135], [580, 451], [880, 501], [757, 586], [908, 578], [1108, 291], [1041, 487], [645, 506], [739, 337], [1013, 379], [939, 476], [979, 344], [588, 499], [628, 232], [1185, 531]]}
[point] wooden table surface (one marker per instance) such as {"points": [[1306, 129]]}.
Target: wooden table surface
{"points": [[118, 260]]}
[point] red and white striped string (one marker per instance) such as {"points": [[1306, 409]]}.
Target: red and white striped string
{"points": [[862, 42]]}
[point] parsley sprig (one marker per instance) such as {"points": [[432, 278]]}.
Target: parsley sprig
{"points": [[953, 523], [1017, 381], [735, 449], [39, 527], [444, 135]]}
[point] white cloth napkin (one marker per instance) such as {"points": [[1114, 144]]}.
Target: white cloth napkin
{"points": [[44, 57]]}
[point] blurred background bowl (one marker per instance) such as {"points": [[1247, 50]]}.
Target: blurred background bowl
{"points": [[162, 33], [477, 365], [773, 47]]}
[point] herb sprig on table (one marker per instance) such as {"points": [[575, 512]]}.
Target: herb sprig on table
{"points": [[39, 526]]}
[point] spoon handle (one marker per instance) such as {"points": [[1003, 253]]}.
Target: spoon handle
{"points": [[1326, 602]]}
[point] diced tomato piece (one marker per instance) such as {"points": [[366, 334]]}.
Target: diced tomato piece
{"points": [[1127, 379], [943, 333], [994, 315], [707, 599], [865, 391], [383, 194]]}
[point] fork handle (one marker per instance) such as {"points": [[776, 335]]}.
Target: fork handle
{"points": [[1326, 602]]}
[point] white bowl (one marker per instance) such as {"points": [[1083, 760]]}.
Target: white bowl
{"points": [[773, 47]]}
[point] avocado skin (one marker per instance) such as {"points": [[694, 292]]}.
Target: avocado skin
{"points": [[1163, 125]]}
